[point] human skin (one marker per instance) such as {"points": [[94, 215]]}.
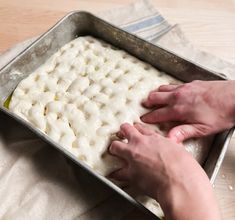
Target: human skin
{"points": [[159, 166], [165, 171], [201, 107]]}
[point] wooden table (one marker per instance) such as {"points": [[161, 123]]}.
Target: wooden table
{"points": [[210, 25]]}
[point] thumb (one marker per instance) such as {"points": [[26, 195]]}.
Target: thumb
{"points": [[119, 175], [183, 132]]}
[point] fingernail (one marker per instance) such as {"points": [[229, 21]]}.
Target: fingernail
{"points": [[144, 103], [151, 96], [110, 176], [110, 149], [143, 118], [137, 125], [179, 136], [120, 135]]}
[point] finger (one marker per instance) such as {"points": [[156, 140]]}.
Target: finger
{"points": [[167, 88], [183, 132], [144, 129], [157, 98], [120, 175], [119, 149], [164, 114], [129, 131]]}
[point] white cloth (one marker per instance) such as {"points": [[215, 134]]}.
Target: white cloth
{"points": [[36, 181]]}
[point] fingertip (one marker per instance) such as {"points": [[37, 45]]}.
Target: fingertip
{"points": [[161, 87], [110, 175], [125, 125], [167, 87], [110, 148], [144, 118], [119, 175], [152, 96], [143, 101], [113, 146], [146, 103], [137, 123]]}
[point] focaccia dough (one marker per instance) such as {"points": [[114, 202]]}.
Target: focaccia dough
{"points": [[81, 96]]}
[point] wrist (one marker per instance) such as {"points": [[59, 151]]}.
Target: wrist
{"points": [[189, 198]]}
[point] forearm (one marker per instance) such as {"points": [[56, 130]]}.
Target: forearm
{"points": [[190, 200]]}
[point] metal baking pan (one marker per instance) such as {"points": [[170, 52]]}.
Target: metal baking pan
{"points": [[83, 23]]}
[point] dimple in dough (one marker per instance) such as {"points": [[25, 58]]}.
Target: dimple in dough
{"points": [[82, 95]]}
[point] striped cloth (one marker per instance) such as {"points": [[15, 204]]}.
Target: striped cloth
{"points": [[150, 28], [142, 19]]}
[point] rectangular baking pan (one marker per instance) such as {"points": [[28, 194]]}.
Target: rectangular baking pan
{"points": [[81, 23]]}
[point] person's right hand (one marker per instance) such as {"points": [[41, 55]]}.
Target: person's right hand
{"points": [[201, 107], [165, 171]]}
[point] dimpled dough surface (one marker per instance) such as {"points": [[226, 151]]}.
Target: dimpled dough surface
{"points": [[82, 95]]}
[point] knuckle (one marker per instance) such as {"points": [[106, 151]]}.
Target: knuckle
{"points": [[178, 110], [177, 94], [186, 87], [135, 138], [135, 154], [189, 88]]}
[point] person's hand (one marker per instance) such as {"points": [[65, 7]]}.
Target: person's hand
{"points": [[165, 171], [201, 107]]}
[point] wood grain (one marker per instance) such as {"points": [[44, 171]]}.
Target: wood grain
{"points": [[210, 25]]}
